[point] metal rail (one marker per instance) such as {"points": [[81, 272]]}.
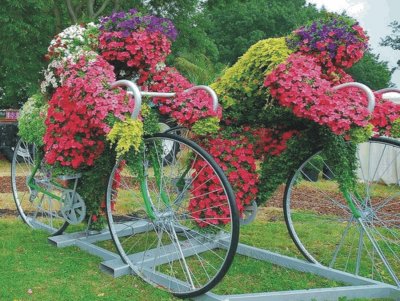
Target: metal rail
{"points": [[134, 91], [364, 88]]}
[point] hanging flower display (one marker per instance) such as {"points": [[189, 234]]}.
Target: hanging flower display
{"points": [[81, 117]]}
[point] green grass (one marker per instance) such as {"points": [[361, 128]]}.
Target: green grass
{"points": [[28, 261]]}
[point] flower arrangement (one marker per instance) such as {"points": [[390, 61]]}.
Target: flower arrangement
{"points": [[82, 124], [78, 110], [283, 90], [335, 40], [299, 85]]}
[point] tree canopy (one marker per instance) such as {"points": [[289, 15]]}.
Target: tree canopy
{"points": [[211, 35], [371, 71], [393, 40], [235, 25]]}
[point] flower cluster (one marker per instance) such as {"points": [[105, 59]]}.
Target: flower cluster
{"points": [[133, 21], [138, 50], [299, 85], [187, 107], [67, 46], [385, 116], [76, 120], [335, 40], [268, 141], [208, 204], [235, 155], [81, 117], [73, 39]]}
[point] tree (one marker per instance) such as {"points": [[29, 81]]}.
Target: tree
{"points": [[26, 28], [394, 39], [89, 10], [235, 25], [371, 71]]}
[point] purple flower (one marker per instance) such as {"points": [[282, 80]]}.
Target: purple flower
{"points": [[132, 21], [327, 35]]}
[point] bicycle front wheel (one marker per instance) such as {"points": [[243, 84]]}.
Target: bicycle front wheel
{"points": [[37, 209], [173, 218], [363, 240]]}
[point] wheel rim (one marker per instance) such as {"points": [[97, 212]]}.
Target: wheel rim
{"points": [[36, 209], [183, 251], [325, 230]]}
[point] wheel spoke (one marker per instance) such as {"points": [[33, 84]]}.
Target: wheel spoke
{"points": [[183, 237], [368, 243], [36, 208]]}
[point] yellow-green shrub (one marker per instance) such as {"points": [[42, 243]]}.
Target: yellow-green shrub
{"points": [[241, 89]]}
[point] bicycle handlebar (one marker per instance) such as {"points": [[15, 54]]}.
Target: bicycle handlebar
{"points": [[209, 91], [168, 95], [387, 90], [365, 89], [133, 89]]}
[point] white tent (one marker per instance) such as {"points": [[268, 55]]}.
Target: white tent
{"points": [[393, 96], [389, 165]]}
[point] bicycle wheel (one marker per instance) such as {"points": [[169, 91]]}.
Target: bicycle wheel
{"points": [[363, 240], [176, 225], [38, 210]]}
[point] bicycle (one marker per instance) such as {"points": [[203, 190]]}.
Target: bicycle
{"points": [[353, 231], [156, 231]]}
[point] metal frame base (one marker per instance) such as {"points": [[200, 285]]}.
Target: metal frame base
{"points": [[359, 287]]}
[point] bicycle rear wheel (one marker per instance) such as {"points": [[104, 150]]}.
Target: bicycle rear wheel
{"points": [[38, 210], [174, 223], [326, 230]]}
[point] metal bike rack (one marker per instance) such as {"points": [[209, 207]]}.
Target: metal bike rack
{"points": [[358, 287]]}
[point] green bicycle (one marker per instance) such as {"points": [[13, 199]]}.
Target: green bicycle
{"points": [[153, 221]]}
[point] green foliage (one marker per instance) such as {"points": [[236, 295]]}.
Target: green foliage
{"points": [[393, 40], [360, 135], [31, 120], [190, 23], [371, 71], [26, 29], [341, 155], [126, 135], [395, 131], [338, 153], [276, 169], [93, 178], [197, 68], [206, 126], [241, 89], [236, 25]]}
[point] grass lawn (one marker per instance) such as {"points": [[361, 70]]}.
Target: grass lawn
{"points": [[32, 269], [29, 262]]}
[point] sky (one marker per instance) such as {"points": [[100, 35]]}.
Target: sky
{"points": [[374, 16]]}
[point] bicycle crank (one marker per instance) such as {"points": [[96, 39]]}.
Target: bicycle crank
{"points": [[74, 208]]}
